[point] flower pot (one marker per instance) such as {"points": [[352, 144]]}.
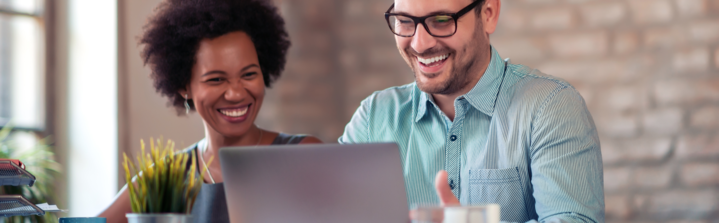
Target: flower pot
{"points": [[158, 218]]}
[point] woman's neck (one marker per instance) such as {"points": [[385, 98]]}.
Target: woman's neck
{"points": [[215, 140]]}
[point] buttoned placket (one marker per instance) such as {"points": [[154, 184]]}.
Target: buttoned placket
{"points": [[453, 146]]}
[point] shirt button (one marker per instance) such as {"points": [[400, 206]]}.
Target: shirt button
{"points": [[453, 137], [451, 184]]}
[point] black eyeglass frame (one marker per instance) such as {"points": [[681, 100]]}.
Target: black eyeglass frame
{"points": [[420, 20]]}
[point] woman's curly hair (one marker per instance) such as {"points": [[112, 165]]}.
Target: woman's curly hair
{"points": [[172, 38]]}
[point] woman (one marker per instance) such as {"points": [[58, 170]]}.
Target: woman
{"points": [[215, 57]]}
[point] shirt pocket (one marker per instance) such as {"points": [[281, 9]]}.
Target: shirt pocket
{"points": [[499, 186]]}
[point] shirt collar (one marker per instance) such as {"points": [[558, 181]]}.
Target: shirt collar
{"points": [[482, 96]]}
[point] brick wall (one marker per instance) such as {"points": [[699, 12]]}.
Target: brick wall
{"points": [[648, 70]]}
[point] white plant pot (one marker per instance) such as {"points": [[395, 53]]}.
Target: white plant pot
{"points": [[158, 218]]}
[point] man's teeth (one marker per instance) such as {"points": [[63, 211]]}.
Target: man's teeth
{"points": [[234, 112], [433, 59]]}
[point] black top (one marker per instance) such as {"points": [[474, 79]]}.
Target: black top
{"points": [[210, 205]]}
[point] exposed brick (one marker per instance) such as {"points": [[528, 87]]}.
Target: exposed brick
{"points": [[611, 152], [519, 49], [665, 121], [540, 1], [692, 60], [663, 37], [355, 8], [626, 42], [384, 57], [349, 59], [705, 118], [603, 13], [606, 71], [705, 31], [617, 206], [304, 91], [653, 177], [678, 203], [309, 67], [698, 145], [623, 98], [682, 91], [691, 8], [635, 150], [514, 20], [579, 1], [686, 221], [617, 125], [673, 91], [714, 5], [553, 18], [617, 178], [716, 58], [651, 11], [700, 174], [378, 7], [580, 44], [640, 202]]}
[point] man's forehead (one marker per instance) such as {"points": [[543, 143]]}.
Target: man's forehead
{"points": [[425, 7]]}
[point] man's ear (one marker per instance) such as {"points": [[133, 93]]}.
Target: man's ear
{"points": [[490, 15]]}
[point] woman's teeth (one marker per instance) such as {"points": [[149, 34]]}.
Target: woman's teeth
{"points": [[427, 61], [234, 112]]}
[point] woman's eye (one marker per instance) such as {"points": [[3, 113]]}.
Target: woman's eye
{"points": [[250, 74], [214, 80]]}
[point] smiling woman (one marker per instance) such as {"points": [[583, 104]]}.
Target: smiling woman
{"points": [[216, 57], [226, 86]]}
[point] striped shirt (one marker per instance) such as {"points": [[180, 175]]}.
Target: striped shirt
{"points": [[520, 138]]}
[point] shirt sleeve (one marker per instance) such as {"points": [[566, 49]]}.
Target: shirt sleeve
{"points": [[566, 161], [356, 130]]}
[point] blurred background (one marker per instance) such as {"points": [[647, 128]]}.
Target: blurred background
{"points": [[648, 70]]}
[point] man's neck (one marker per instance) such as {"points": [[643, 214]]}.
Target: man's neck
{"points": [[446, 101]]}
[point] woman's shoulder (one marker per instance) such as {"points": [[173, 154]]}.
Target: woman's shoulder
{"points": [[283, 138], [190, 148]]}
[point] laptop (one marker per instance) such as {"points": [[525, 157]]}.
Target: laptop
{"points": [[314, 183]]}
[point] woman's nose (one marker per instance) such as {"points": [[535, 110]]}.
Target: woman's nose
{"points": [[235, 92]]}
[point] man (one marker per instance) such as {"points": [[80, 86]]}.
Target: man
{"points": [[489, 131]]}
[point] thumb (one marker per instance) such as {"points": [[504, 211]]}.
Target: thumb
{"points": [[446, 197]]}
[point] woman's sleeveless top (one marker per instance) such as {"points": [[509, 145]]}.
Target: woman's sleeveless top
{"points": [[210, 205]]}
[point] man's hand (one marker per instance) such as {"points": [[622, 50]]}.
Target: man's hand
{"points": [[446, 197]]}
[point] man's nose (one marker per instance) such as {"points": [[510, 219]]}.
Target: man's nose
{"points": [[421, 40]]}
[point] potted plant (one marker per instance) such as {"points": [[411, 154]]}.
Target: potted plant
{"points": [[164, 187], [38, 158]]}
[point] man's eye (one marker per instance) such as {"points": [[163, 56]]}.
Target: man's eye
{"points": [[405, 21], [442, 19]]}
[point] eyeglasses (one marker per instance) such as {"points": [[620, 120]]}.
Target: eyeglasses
{"points": [[437, 25]]}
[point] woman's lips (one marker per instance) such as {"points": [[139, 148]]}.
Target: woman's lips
{"points": [[234, 115]]}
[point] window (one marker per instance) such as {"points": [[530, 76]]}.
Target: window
{"points": [[22, 64]]}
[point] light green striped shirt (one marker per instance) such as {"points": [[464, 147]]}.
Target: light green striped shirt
{"points": [[520, 138]]}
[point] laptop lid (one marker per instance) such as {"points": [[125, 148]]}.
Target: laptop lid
{"points": [[313, 183]]}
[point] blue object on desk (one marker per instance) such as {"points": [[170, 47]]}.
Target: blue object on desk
{"points": [[83, 220]]}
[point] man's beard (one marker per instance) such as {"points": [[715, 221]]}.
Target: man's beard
{"points": [[459, 74]]}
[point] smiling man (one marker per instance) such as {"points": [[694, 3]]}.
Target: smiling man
{"points": [[476, 129]]}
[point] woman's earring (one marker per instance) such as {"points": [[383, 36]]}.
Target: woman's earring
{"points": [[187, 106]]}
